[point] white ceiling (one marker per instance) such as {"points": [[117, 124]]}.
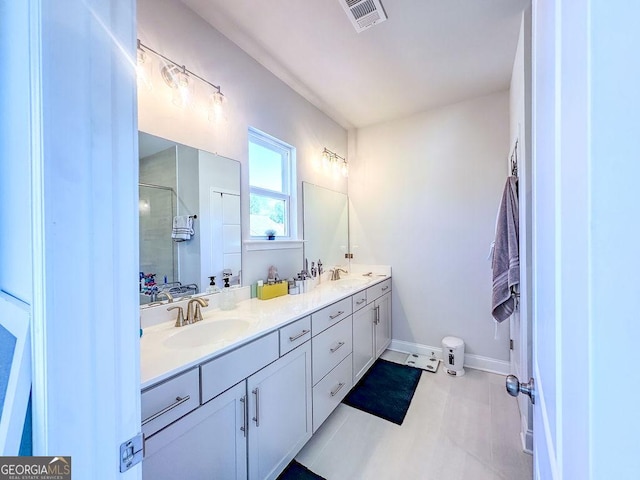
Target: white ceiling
{"points": [[428, 53]]}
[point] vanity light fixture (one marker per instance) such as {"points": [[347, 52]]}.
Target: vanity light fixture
{"points": [[333, 161], [181, 80]]}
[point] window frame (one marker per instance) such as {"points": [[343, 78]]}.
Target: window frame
{"points": [[288, 194]]}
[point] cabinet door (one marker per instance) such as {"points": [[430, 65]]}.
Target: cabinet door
{"points": [[383, 323], [363, 341], [279, 412], [207, 443]]}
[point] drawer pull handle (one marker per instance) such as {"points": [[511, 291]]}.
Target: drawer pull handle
{"points": [[244, 426], [301, 334], [337, 389], [335, 349], [179, 401], [361, 301], [385, 288], [336, 315]]}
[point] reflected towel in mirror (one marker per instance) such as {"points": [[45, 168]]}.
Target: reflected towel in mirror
{"points": [[182, 228]]}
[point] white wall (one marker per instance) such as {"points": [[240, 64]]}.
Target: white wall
{"points": [[425, 192], [255, 97]]}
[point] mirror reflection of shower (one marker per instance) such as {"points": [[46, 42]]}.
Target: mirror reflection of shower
{"points": [[158, 256]]}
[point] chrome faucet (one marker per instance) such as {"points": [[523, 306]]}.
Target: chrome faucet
{"points": [[335, 273], [166, 294]]}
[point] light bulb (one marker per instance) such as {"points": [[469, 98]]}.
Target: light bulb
{"points": [[215, 111], [182, 89], [344, 169], [325, 160]]}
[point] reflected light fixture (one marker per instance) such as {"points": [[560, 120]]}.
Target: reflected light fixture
{"points": [[144, 67], [333, 161], [181, 80]]}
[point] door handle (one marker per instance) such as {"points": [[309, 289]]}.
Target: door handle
{"points": [[256, 418], [514, 387], [244, 426]]}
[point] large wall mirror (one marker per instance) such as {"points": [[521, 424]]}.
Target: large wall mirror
{"points": [[326, 225], [180, 188]]}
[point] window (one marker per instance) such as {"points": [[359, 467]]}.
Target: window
{"points": [[271, 183]]}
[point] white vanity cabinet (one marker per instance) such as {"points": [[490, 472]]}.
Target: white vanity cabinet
{"points": [[332, 345], [371, 327], [251, 429], [364, 346], [207, 443], [246, 413], [279, 413], [382, 315]]}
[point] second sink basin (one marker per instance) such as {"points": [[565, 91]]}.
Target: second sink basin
{"points": [[351, 282], [207, 333]]}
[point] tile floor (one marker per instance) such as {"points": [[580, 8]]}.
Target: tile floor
{"points": [[457, 428]]}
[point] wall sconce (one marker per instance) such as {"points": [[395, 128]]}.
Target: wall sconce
{"points": [[333, 161], [182, 82]]}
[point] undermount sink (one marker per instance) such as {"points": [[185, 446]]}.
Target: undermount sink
{"points": [[351, 282], [207, 333]]}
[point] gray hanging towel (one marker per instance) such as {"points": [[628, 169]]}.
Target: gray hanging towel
{"points": [[506, 256]]}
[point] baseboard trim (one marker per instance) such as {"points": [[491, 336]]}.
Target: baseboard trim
{"points": [[477, 362]]}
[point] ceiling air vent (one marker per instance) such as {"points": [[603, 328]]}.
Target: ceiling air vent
{"points": [[364, 13]]}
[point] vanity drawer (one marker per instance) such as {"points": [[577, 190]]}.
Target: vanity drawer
{"points": [[330, 391], [167, 402], [330, 348], [295, 334], [378, 290], [359, 300], [323, 319], [223, 372]]}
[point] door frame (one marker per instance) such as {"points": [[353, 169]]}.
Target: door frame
{"points": [[83, 191]]}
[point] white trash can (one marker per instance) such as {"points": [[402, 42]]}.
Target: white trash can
{"points": [[453, 356]]}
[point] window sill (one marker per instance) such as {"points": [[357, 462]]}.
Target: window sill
{"points": [[254, 245]]}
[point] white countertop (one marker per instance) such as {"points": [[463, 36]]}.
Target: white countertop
{"points": [[159, 361]]}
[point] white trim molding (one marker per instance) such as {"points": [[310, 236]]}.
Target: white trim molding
{"points": [[477, 362], [255, 245]]}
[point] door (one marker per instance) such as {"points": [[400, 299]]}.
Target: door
{"points": [[209, 442], [382, 307], [279, 412], [586, 238], [68, 187], [363, 341]]}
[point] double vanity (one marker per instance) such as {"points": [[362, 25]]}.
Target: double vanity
{"points": [[238, 394]]}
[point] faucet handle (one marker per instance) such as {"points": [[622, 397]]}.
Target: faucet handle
{"points": [[197, 316], [180, 317]]}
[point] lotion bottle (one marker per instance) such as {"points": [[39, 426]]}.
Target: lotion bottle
{"points": [[228, 299]]}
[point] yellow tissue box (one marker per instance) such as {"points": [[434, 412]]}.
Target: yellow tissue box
{"points": [[266, 292]]}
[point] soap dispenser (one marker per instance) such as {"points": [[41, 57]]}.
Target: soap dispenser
{"points": [[228, 299], [212, 288]]}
